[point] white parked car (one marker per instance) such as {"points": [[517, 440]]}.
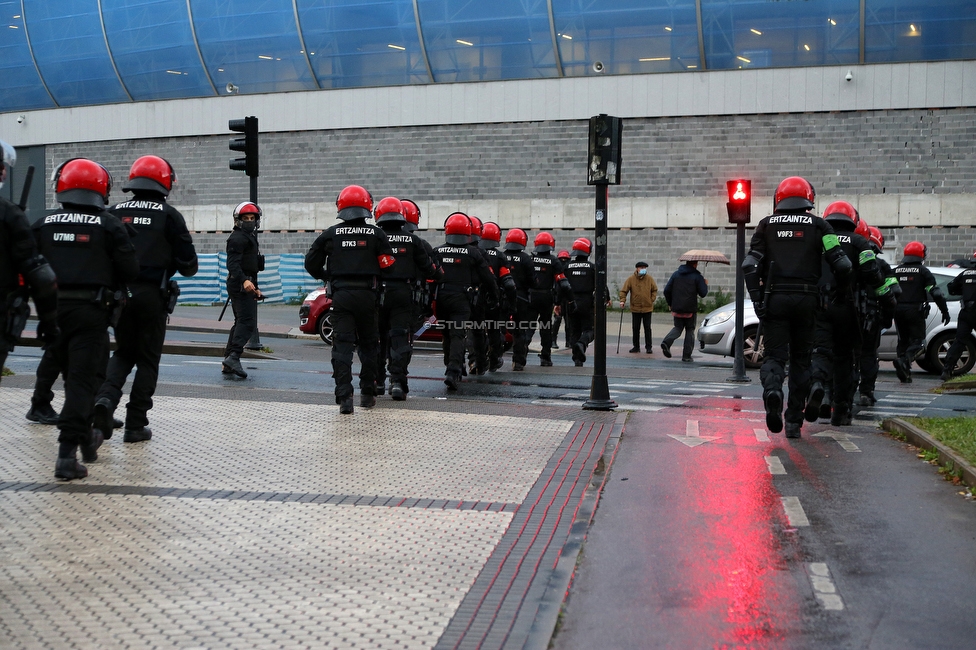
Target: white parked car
{"points": [[716, 335]]}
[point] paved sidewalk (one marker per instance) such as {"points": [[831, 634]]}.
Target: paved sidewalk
{"points": [[251, 521]]}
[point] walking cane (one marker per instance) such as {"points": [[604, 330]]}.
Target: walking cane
{"points": [[620, 329]]}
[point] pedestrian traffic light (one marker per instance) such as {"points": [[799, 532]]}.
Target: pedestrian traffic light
{"points": [[740, 201], [603, 163], [248, 144]]}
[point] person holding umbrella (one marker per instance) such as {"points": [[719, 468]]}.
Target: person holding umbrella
{"points": [[682, 291]]}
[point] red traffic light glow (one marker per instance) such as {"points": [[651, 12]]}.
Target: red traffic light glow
{"points": [[739, 194], [739, 190]]}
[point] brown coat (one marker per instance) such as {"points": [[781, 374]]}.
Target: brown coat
{"points": [[643, 293]]}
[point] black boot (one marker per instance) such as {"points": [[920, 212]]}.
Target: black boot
{"points": [[841, 416], [42, 413], [233, 363], [867, 399], [773, 401], [140, 434], [367, 401], [792, 429], [812, 410], [102, 418], [89, 450], [68, 468], [451, 380], [345, 406], [396, 392]]}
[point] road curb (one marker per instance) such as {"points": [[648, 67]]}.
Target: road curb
{"points": [[186, 349], [923, 440], [959, 386]]}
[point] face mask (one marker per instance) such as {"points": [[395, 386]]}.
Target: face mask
{"points": [[642, 272], [249, 226]]}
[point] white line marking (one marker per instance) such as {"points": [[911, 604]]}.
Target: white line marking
{"points": [[794, 511], [761, 435], [906, 399], [775, 466], [695, 389], [660, 400], [823, 587], [691, 428], [895, 409], [842, 439]]}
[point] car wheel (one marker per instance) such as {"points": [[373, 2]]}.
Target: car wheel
{"points": [[325, 326], [753, 354], [940, 346]]}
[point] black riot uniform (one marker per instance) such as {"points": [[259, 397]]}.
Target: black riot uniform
{"points": [[581, 274], [353, 257], [548, 283], [398, 312], [837, 338], [964, 286], [876, 315], [163, 246], [244, 262], [497, 312], [782, 271], [93, 257], [521, 267], [463, 268], [19, 260], [917, 284]]}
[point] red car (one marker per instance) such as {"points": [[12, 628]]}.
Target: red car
{"points": [[315, 317]]}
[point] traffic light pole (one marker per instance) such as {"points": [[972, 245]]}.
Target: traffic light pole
{"points": [[739, 365], [599, 387]]}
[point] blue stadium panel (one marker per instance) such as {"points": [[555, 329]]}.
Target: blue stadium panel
{"points": [[353, 43], [153, 48], [69, 47], [487, 41], [919, 30], [21, 87], [253, 44], [627, 36], [763, 34]]}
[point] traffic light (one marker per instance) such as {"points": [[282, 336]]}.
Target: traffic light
{"points": [[603, 162], [740, 201], [248, 144]]}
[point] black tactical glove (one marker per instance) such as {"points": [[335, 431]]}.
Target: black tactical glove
{"points": [[760, 309], [48, 333], [572, 307], [945, 318]]}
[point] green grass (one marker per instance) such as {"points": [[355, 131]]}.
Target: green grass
{"points": [[962, 378], [7, 372], [957, 433]]}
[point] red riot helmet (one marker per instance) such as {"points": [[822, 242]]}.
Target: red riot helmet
{"points": [[562, 255], [457, 229], [516, 239], [151, 173], [582, 247], [389, 210], [916, 248], [411, 212], [842, 216], [863, 229], [82, 182], [354, 202], [475, 228], [874, 234], [246, 207], [544, 242], [491, 232], [794, 194]]}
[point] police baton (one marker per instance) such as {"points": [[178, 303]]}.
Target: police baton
{"points": [[226, 302], [620, 328], [25, 192]]}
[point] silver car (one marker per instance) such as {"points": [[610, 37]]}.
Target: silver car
{"points": [[717, 333]]}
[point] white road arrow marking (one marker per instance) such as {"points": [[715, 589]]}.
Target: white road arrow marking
{"points": [[692, 437], [843, 439]]}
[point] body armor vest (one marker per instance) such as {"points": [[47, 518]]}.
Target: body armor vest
{"points": [[496, 260], [458, 264], [78, 248], [966, 285], [913, 279], [520, 264], [794, 243], [581, 276], [354, 251], [404, 247], [544, 272], [148, 217]]}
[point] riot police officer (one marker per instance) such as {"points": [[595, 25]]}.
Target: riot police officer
{"points": [[352, 256], [520, 264], [498, 312], [548, 284], [93, 257], [878, 317], [244, 262], [781, 271], [917, 284], [560, 310], [397, 313], [463, 268], [19, 259], [476, 339], [163, 246], [837, 338], [963, 285], [425, 289], [581, 274]]}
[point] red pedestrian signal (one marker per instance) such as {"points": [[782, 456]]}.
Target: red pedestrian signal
{"points": [[740, 201]]}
